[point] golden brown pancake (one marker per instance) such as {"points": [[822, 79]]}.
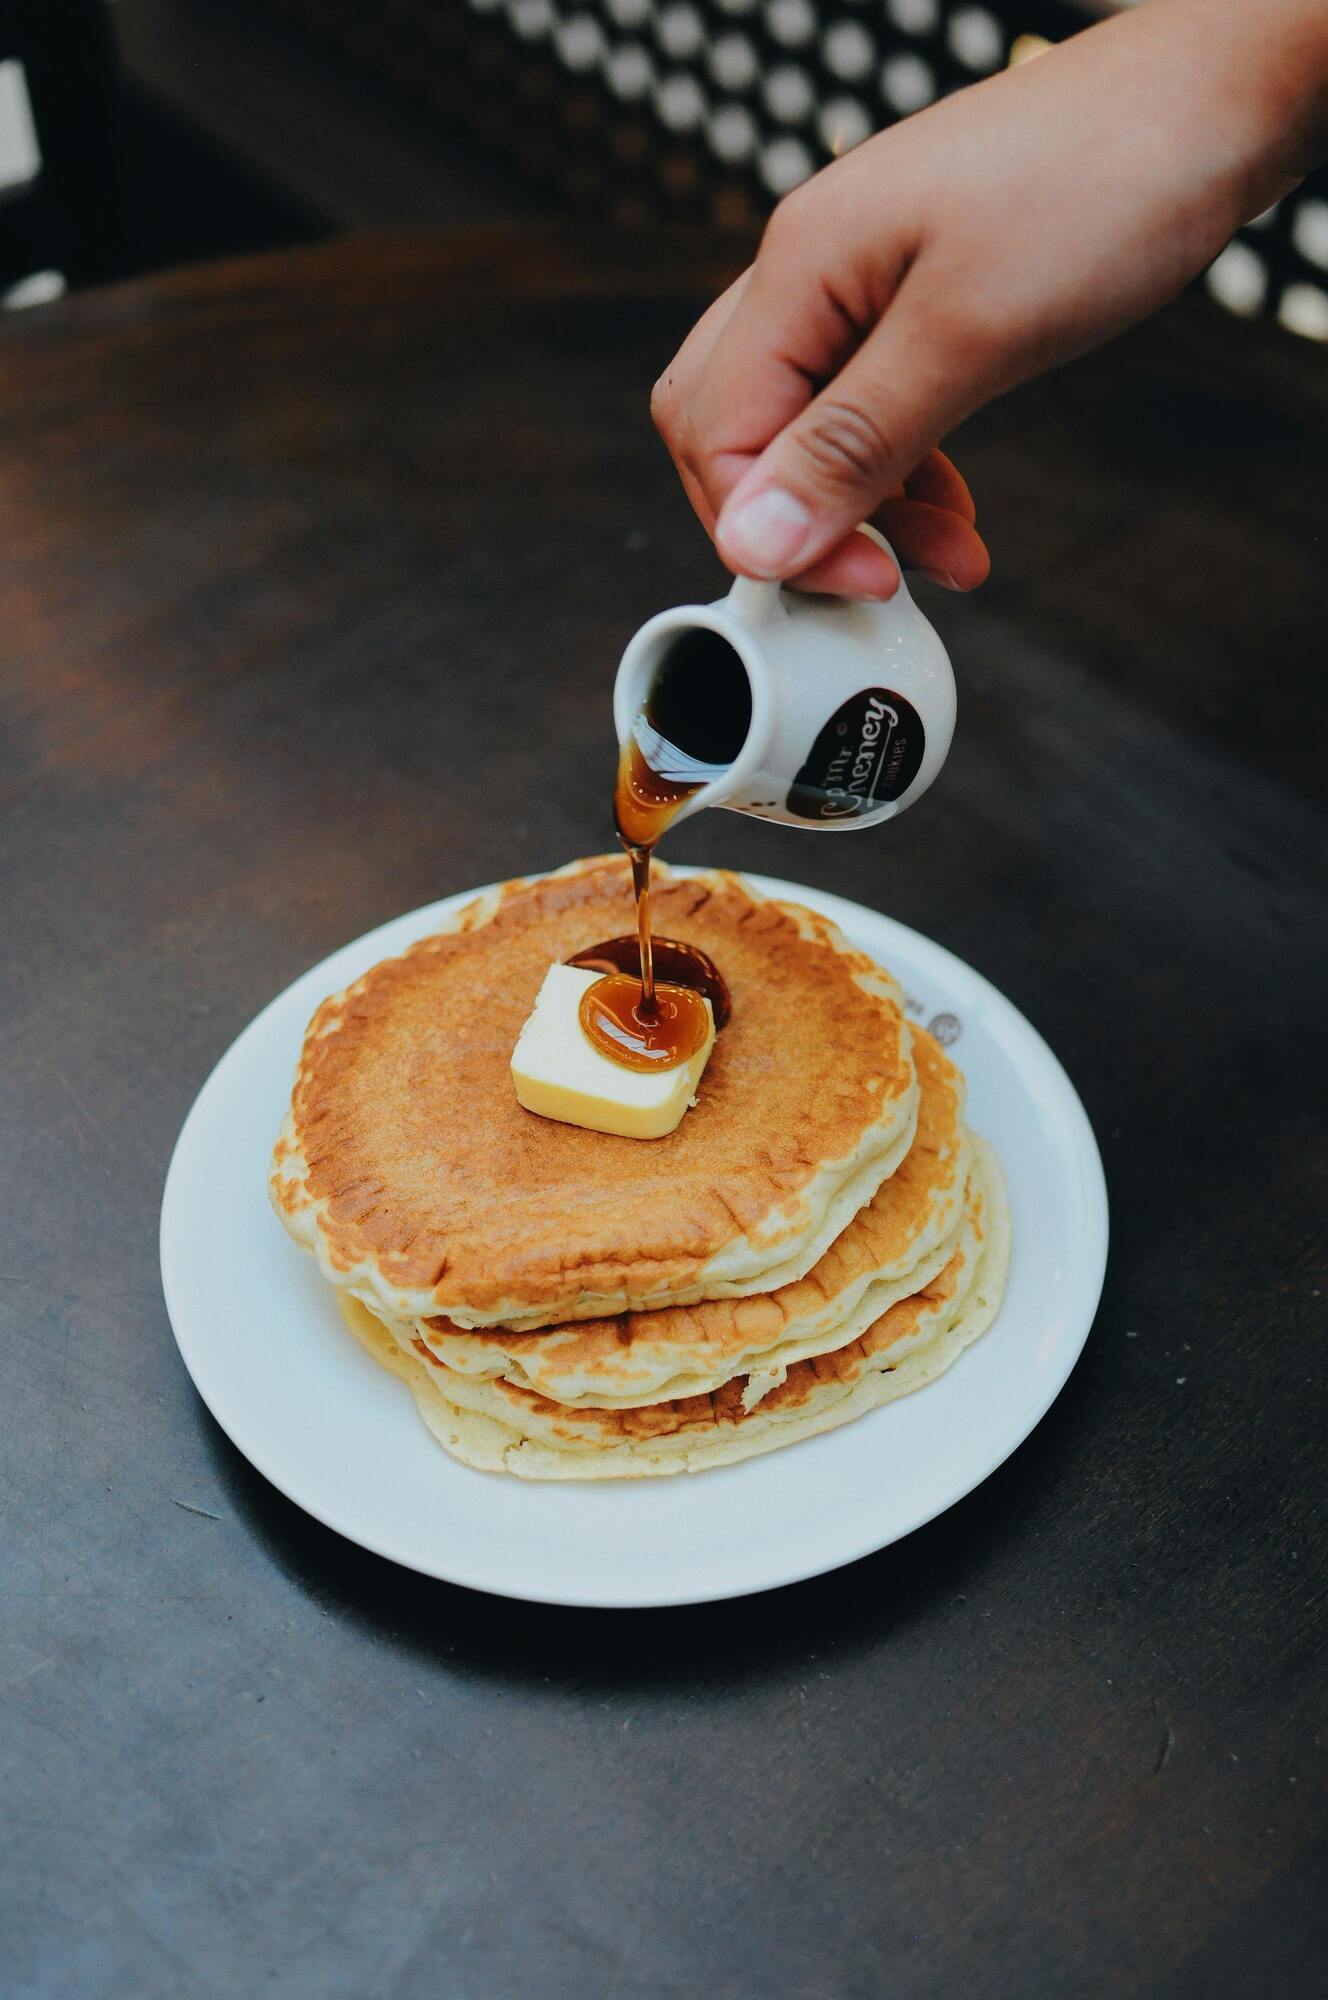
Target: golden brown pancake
{"points": [[408, 1166], [898, 1241], [496, 1426]]}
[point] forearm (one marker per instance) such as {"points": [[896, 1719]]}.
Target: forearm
{"points": [[1003, 230], [1254, 72]]}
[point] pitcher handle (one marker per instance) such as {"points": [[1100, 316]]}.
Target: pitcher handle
{"points": [[753, 601]]}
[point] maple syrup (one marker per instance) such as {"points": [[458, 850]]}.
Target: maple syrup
{"points": [[677, 964], [691, 727], [611, 1013], [614, 1018]]}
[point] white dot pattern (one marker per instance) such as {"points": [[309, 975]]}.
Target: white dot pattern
{"points": [[758, 94], [976, 39], [681, 32], [680, 103], [848, 51], [785, 164], [788, 95], [531, 19], [1304, 309], [733, 62], [579, 41], [914, 17], [907, 83], [843, 123], [630, 72], [732, 133], [791, 23], [1238, 279], [1309, 231]]}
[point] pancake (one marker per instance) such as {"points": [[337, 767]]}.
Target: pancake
{"points": [[495, 1426], [894, 1245], [408, 1167]]}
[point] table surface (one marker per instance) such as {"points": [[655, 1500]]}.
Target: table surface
{"points": [[317, 570]]}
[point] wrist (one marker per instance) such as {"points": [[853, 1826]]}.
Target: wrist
{"points": [[1260, 76]]}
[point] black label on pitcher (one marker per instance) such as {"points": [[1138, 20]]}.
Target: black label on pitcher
{"points": [[869, 752]]}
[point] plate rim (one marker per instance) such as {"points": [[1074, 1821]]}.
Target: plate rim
{"points": [[844, 911]]}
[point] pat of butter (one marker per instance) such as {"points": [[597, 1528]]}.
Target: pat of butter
{"points": [[559, 1072]]}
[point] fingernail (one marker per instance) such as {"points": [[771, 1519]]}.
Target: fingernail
{"points": [[765, 533], [941, 576]]}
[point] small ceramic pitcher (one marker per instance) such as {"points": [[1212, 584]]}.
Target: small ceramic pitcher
{"points": [[852, 703]]}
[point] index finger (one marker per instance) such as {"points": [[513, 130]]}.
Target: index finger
{"points": [[787, 333]]}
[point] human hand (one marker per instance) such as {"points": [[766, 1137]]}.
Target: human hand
{"points": [[1001, 231]]}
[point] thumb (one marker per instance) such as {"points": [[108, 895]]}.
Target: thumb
{"points": [[829, 469]]}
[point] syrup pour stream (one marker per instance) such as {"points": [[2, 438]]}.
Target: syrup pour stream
{"points": [[692, 726]]}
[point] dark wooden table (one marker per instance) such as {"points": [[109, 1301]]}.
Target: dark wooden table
{"points": [[317, 570]]}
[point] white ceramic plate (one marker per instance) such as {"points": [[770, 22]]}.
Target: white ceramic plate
{"points": [[264, 1342]]}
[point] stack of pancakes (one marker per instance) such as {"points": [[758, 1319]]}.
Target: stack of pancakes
{"points": [[821, 1234]]}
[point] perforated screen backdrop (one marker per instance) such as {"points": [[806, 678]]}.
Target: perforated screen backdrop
{"points": [[716, 108]]}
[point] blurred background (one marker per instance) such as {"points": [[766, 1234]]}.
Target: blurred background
{"points": [[136, 134]]}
